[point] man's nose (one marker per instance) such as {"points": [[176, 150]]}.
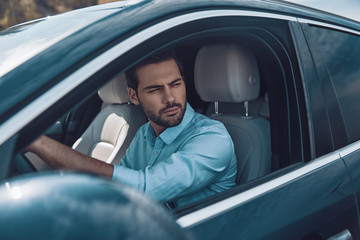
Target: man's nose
{"points": [[168, 95]]}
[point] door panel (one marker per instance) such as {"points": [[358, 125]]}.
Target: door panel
{"points": [[337, 52], [314, 200], [351, 157]]}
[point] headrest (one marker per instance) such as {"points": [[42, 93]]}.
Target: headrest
{"points": [[226, 73], [115, 91]]}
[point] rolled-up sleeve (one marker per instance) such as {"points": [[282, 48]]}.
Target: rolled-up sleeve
{"points": [[129, 176]]}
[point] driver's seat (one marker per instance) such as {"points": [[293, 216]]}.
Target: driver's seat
{"points": [[228, 73]]}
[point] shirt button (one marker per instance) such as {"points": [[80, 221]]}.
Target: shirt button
{"points": [[156, 152]]}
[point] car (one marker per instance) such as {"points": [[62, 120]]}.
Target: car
{"points": [[302, 179]]}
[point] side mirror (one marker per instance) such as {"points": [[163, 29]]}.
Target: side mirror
{"points": [[67, 205]]}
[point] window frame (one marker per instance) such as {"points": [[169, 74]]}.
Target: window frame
{"points": [[106, 65]]}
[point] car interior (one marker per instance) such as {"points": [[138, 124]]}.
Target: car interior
{"points": [[242, 82], [112, 130], [237, 67]]}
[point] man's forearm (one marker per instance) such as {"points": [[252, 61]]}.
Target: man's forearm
{"points": [[60, 156]]}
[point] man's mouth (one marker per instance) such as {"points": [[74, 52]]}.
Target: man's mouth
{"points": [[171, 111]]}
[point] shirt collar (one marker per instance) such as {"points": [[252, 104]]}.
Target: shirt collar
{"points": [[170, 134], [149, 133]]}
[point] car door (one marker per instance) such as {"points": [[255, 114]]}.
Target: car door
{"points": [[311, 199], [339, 51]]}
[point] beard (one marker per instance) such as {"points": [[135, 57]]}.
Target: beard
{"points": [[170, 121]]}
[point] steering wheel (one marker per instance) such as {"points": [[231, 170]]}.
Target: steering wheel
{"points": [[26, 162]]}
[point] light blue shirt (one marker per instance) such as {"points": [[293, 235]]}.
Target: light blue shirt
{"points": [[184, 164]]}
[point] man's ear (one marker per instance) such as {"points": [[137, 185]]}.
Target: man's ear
{"points": [[133, 96]]}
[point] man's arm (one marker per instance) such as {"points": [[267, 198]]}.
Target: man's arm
{"points": [[60, 156]]}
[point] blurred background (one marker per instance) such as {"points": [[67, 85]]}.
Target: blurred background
{"points": [[346, 8], [13, 12]]}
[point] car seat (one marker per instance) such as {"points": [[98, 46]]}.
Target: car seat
{"points": [[112, 130], [228, 73]]}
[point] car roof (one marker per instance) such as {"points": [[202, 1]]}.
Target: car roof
{"points": [[53, 29], [37, 35], [64, 42]]}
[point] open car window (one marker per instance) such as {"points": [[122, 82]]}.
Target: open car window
{"points": [[270, 42]]}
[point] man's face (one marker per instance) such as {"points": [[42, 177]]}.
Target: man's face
{"points": [[161, 93]]}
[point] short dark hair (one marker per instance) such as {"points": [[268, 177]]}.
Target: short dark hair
{"points": [[131, 74]]}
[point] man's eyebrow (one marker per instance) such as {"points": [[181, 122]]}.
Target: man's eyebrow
{"points": [[159, 86], [152, 86], [176, 80]]}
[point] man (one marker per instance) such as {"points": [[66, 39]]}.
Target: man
{"points": [[178, 156]]}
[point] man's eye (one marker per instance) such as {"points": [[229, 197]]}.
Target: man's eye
{"points": [[176, 84], [153, 90]]}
